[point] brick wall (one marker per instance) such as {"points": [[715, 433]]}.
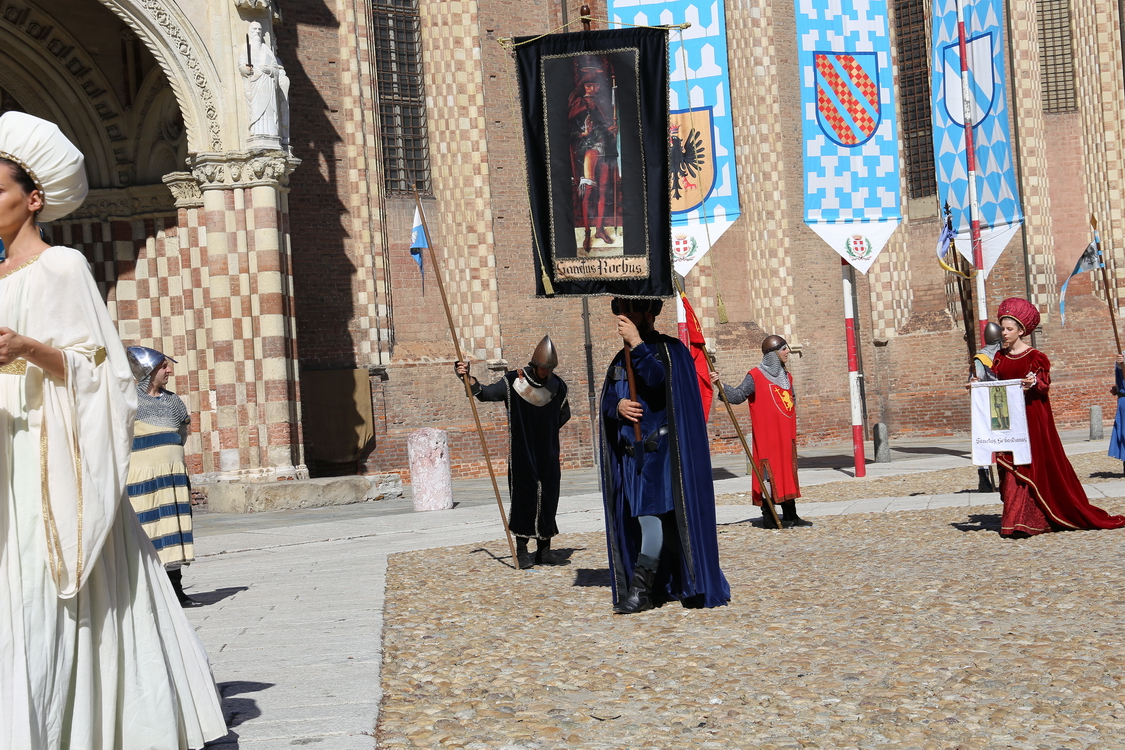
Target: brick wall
{"points": [[773, 274]]}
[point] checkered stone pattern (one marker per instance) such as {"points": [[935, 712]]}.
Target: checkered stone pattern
{"points": [[762, 179], [149, 280], [1026, 98], [251, 329], [889, 287], [370, 325], [1101, 96], [462, 228]]}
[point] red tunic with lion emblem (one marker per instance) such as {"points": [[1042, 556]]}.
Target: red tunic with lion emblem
{"points": [[773, 415]]}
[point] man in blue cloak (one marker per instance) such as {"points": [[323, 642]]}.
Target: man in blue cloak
{"points": [[658, 491]]}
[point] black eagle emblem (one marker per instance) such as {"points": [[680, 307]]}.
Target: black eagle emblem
{"points": [[687, 161]]}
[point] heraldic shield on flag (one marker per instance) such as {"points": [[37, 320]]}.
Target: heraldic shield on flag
{"points": [[982, 80], [847, 96], [851, 148], [693, 157]]}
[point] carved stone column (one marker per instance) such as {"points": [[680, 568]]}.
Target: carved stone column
{"points": [[249, 315]]}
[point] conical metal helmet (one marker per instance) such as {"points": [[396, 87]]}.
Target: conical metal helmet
{"points": [[773, 343], [992, 333], [142, 360], [545, 354]]}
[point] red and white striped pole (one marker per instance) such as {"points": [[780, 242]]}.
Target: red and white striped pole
{"points": [[971, 167], [853, 373]]}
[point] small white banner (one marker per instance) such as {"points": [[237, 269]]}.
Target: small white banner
{"points": [[999, 421]]}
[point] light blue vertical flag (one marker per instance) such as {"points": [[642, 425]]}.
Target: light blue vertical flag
{"points": [[704, 181], [418, 243], [997, 193], [848, 115]]}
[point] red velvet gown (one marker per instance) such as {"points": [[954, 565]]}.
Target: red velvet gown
{"points": [[1046, 494], [773, 415]]}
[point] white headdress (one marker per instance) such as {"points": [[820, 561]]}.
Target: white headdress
{"points": [[53, 163]]}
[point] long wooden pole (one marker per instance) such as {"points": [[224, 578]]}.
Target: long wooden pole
{"points": [[1105, 281], [766, 491], [465, 378], [971, 166]]}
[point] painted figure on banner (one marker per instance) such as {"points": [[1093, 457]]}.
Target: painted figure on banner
{"points": [[1044, 495], [592, 111]]}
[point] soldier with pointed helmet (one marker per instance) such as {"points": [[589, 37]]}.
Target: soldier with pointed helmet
{"points": [[773, 412], [537, 407]]}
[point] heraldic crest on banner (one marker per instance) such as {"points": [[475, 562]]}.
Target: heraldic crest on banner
{"points": [[847, 96], [595, 116], [693, 157]]}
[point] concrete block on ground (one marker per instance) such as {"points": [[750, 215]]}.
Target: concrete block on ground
{"points": [[430, 475], [1097, 430], [882, 444], [255, 497]]}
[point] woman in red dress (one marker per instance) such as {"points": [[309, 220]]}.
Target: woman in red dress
{"points": [[1046, 494]]}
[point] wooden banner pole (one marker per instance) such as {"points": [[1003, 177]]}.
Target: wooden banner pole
{"points": [[766, 490], [465, 378], [1105, 282]]}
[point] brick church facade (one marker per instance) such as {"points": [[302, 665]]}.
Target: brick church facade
{"points": [[276, 267]]}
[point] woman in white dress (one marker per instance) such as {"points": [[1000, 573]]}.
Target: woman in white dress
{"points": [[95, 651]]}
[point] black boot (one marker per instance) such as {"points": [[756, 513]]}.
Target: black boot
{"points": [[544, 555], [525, 558], [176, 577], [984, 480], [789, 517], [640, 590]]}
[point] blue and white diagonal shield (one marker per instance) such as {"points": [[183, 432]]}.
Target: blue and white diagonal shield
{"points": [[996, 187], [982, 79]]}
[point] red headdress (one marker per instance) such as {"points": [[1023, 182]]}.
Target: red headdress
{"points": [[1021, 311]]}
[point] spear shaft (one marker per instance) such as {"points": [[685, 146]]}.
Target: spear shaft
{"points": [[465, 378]]}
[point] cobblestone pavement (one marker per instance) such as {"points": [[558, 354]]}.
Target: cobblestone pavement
{"points": [[918, 628], [905, 630]]}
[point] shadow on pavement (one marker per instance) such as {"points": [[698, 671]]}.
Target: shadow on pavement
{"points": [[718, 472], [591, 578], [505, 560], [931, 451], [216, 596], [980, 522], [237, 710]]}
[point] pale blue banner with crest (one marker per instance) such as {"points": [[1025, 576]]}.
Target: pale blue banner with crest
{"points": [[701, 131], [848, 113], [997, 192]]}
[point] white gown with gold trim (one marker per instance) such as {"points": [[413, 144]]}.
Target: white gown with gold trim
{"points": [[95, 652]]}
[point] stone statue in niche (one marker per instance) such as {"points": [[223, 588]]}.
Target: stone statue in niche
{"points": [[267, 91]]}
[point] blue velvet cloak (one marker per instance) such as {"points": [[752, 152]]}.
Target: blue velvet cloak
{"points": [[1117, 437], [674, 480]]}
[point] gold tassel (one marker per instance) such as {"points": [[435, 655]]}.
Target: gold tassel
{"points": [[548, 287], [722, 308]]}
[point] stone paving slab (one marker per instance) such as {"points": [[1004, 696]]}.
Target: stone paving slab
{"points": [[295, 615]]}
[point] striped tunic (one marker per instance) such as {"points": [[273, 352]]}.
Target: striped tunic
{"points": [[160, 492]]}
